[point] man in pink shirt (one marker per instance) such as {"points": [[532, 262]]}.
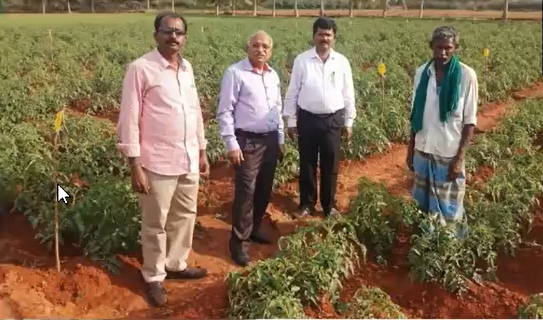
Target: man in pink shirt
{"points": [[161, 132]]}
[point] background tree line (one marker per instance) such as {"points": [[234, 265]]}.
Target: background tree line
{"points": [[51, 6]]}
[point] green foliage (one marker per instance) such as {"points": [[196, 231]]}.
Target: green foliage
{"points": [[375, 216], [533, 309], [313, 260], [372, 303], [88, 73]]}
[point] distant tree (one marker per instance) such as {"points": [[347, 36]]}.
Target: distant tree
{"points": [[322, 9]]}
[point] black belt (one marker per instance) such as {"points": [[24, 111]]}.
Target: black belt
{"points": [[322, 115], [254, 135]]}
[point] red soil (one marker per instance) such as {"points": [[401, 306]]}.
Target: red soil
{"points": [[482, 175], [31, 287]]}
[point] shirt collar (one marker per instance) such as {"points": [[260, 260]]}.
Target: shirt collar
{"points": [[332, 55], [165, 64], [432, 68], [249, 67]]}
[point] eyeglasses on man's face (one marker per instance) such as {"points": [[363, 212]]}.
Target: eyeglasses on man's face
{"points": [[172, 31]]}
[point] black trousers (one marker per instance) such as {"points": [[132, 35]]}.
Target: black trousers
{"points": [[319, 139], [254, 182]]}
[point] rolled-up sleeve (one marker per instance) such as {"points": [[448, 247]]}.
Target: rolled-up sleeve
{"points": [[128, 130], [349, 95], [228, 97], [471, 99]]}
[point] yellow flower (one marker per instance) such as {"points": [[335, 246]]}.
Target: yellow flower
{"points": [[58, 120], [486, 52], [382, 69]]}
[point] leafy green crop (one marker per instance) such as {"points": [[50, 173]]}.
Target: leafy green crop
{"points": [[533, 309], [372, 303]]}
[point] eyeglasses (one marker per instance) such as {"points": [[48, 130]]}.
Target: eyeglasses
{"points": [[169, 32]]}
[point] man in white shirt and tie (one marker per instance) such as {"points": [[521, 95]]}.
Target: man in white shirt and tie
{"points": [[320, 108]]}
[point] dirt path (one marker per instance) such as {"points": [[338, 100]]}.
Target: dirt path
{"points": [[6, 310], [83, 290], [429, 13]]}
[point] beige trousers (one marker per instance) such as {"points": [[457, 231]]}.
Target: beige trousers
{"points": [[168, 217]]}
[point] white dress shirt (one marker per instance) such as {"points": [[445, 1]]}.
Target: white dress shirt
{"points": [[443, 139], [320, 87]]}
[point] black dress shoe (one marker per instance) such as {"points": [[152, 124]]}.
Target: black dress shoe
{"points": [[157, 294], [188, 273], [260, 238]]}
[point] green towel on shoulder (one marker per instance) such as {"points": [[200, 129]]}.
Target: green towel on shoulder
{"points": [[448, 95]]}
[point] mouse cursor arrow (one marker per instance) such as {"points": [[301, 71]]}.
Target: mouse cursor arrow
{"points": [[62, 194]]}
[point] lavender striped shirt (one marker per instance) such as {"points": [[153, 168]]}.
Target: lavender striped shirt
{"points": [[249, 101]]}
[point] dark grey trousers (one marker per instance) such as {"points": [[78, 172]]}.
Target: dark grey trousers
{"points": [[254, 181]]}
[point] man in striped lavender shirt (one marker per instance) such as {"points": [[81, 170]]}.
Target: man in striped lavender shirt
{"points": [[249, 116], [161, 132]]}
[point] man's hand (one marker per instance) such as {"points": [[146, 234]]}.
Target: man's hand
{"points": [[281, 152], [455, 168], [140, 182], [409, 159], [292, 133], [347, 133], [235, 157], [204, 163]]}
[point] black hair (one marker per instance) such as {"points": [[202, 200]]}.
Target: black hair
{"points": [[325, 24], [159, 17]]}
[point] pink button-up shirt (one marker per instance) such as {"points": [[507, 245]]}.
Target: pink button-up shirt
{"points": [[160, 119]]}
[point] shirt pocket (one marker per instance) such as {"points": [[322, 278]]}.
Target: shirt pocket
{"points": [[333, 79]]}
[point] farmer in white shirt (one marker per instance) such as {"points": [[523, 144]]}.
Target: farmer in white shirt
{"points": [[320, 109], [443, 118]]}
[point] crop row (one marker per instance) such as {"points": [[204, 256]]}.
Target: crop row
{"points": [[316, 259], [75, 67]]}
